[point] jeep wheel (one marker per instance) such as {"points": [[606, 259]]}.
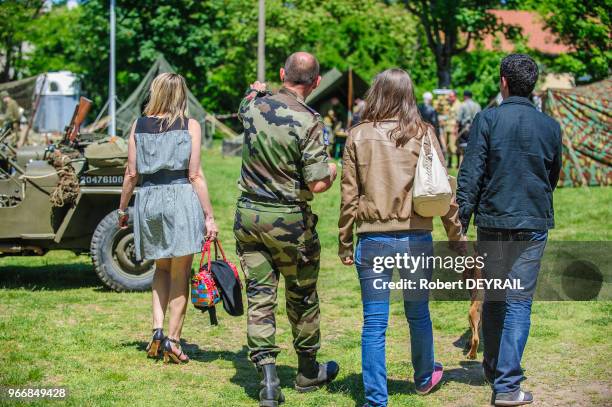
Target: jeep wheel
{"points": [[114, 256]]}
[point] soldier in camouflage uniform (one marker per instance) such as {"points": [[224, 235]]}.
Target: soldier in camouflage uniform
{"points": [[284, 161], [11, 116]]}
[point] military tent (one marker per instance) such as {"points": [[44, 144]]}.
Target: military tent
{"points": [[59, 94], [131, 109], [586, 121], [22, 91], [346, 86]]}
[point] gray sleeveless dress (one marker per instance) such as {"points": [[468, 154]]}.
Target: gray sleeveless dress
{"points": [[168, 217]]}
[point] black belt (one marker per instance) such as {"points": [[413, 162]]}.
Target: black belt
{"points": [[165, 177], [263, 199]]}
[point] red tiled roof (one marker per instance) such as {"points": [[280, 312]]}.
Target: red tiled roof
{"points": [[533, 29]]}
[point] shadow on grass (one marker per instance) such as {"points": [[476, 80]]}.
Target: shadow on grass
{"points": [[463, 341], [245, 374], [470, 373], [247, 377], [352, 386], [52, 277]]}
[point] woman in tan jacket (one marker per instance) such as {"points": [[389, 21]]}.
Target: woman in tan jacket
{"points": [[379, 165]]}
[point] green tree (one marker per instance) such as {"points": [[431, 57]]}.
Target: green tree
{"points": [[179, 29], [16, 17], [213, 42], [366, 35], [451, 25], [53, 42], [585, 26]]}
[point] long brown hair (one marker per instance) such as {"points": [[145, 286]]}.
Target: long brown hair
{"points": [[168, 98], [391, 96]]}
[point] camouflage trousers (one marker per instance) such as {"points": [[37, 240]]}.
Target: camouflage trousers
{"points": [[272, 240]]}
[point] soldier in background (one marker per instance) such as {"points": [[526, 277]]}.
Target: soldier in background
{"points": [[447, 107], [284, 161], [467, 112], [452, 129], [11, 116]]}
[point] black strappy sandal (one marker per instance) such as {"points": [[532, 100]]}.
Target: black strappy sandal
{"points": [[154, 347], [170, 356]]}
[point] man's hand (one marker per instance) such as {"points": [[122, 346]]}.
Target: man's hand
{"points": [[323, 185], [347, 261]]}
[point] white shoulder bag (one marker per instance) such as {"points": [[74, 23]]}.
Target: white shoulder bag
{"points": [[431, 193]]}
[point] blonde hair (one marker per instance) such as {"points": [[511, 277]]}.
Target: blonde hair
{"points": [[391, 96], [167, 99]]}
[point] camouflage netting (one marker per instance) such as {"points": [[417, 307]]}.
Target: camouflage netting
{"points": [[67, 190], [585, 119], [22, 91], [132, 108]]}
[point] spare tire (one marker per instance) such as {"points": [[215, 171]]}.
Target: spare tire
{"points": [[114, 256]]}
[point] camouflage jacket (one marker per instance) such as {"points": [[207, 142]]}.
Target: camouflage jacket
{"points": [[284, 148], [467, 111]]}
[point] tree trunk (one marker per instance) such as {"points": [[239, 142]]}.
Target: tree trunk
{"points": [[6, 72], [444, 71]]}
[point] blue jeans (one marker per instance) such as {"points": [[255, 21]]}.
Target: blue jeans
{"points": [[376, 310], [506, 320]]}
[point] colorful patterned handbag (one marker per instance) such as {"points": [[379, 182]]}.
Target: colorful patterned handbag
{"points": [[204, 292]]}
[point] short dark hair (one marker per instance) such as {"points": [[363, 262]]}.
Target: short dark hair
{"points": [[521, 73], [301, 68], [467, 93]]}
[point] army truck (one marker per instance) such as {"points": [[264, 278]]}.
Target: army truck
{"points": [[64, 197]]}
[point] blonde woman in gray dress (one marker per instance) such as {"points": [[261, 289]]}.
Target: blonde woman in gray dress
{"points": [[172, 210]]}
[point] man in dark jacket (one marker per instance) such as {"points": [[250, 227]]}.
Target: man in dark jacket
{"points": [[429, 114], [511, 167]]}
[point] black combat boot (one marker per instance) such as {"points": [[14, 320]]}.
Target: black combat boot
{"points": [[270, 394], [312, 374]]}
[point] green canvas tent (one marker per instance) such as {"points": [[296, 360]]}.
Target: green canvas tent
{"points": [[131, 109], [586, 121], [22, 91], [345, 86]]}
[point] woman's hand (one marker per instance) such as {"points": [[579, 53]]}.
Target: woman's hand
{"points": [[347, 261], [211, 228], [123, 219]]}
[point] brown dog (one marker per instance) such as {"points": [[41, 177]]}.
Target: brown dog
{"points": [[474, 315]]}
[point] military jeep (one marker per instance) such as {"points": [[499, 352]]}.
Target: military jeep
{"points": [[64, 197]]}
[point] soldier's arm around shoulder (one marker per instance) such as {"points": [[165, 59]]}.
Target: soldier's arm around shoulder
{"points": [[256, 89], [318, 173]]}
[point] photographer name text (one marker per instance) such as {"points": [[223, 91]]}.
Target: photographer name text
{"points": [[471, 284]]}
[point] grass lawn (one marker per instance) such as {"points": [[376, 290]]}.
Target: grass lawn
{"points": [[60, 327]]}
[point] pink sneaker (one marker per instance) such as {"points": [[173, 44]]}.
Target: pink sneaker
{"points": [[434, 381]]}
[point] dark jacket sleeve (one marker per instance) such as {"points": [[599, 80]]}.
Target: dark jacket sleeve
{"points": [[555, 170], [473, 167], [436, 123]]}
